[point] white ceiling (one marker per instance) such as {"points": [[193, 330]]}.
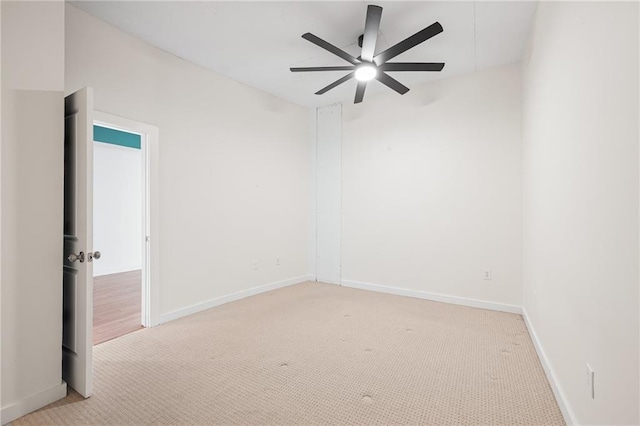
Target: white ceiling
{"points": [[256, 42]]}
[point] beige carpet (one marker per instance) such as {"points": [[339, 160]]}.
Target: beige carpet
{"points": [[318, 354]]}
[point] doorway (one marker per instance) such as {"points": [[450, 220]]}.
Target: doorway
{"points": [[121, 284], [79, 253], [118, 223]]}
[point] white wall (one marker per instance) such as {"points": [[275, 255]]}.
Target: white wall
{"points": [[431, 190], [313, 194], [329, 194], [32, 205], [234, 163], [117, 208], [580, 127], [1, 214]]}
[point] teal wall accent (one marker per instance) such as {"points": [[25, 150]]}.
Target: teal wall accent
{"points": [[116, 137]]}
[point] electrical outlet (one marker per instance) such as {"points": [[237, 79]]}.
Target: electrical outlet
{"points": [[255, 265], [277, 261], [486, 274], [591, 385]]}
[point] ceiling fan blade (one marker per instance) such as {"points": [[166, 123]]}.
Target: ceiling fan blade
{"points": [[392, 83], [335, 83], [408, 43], [412, 66], [360, 92], [339, 68], [330, 47], [371, 28]]}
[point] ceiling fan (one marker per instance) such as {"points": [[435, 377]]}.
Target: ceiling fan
{"points": [[369, 65]]}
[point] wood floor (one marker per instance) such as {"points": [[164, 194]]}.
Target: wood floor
{"points": [[116, 305]]}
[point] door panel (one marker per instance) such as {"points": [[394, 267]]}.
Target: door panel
{"points": [[69, 302], [78, 242]]}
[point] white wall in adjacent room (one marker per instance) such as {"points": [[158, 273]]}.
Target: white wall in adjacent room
{"points": [[234, 163], [117, 208], [580, 127], [431, 189]]}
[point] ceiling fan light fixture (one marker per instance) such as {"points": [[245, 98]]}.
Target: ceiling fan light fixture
{"points": [[366, 72]]}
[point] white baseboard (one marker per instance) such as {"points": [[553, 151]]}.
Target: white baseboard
{"points": [[189, 310], [32, 403], [117, 270], [565, 408], [483, 304]]}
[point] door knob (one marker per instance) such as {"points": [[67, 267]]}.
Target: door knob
{"points": [[73, 257], [95, 255]]}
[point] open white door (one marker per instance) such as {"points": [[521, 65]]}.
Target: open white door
{"points": [[77, 334]]}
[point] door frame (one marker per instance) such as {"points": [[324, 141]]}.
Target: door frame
{"points": [[150, 209]]}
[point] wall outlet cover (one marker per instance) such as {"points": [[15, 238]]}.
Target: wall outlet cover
{"points": [[591, 386], [486, 274]]}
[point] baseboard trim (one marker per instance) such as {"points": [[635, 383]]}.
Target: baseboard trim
{"points": [[456, 300], [32, 403], [189, 310], [112, 271], [565, 408]]}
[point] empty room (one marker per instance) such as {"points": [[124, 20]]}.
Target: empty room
{"points": [[309, 212]]}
